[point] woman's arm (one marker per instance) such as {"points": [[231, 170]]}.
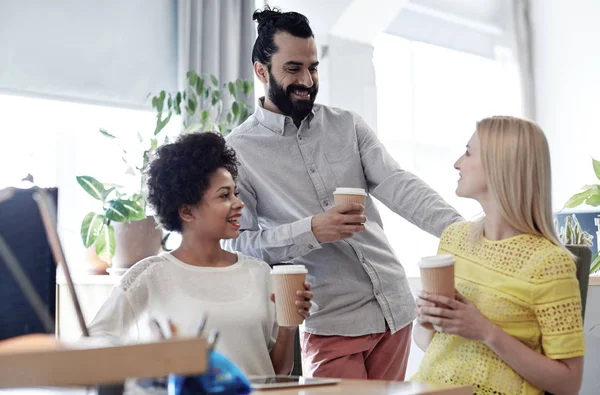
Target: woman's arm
{"points": [[422, 335], [282, 354], [559, 376]]}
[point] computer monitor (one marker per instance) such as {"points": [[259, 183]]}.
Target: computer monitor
{"points": [[23, 234]]}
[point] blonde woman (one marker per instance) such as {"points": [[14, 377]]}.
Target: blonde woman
{"points": [[515, 326]]}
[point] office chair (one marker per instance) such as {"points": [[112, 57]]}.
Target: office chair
{"points": [[583, 261], [583, 255]]}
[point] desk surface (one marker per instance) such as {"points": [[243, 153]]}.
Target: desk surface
{"points": [[371, 387], [346, 387]]}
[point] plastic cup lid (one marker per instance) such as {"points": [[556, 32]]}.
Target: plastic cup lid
{"points": [[350, 191], [289, 269], [430, 262]]}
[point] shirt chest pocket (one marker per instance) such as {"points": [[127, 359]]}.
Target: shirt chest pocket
{"points": [[346, 166]]}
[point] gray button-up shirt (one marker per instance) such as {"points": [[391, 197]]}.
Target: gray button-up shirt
{"points": [[288, 174]]}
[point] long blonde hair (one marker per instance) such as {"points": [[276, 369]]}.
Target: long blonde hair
{"points": [[516, 161]]}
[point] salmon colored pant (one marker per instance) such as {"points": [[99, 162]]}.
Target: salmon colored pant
{"points": [[379, 356]]}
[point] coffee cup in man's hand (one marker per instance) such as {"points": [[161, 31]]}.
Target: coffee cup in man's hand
{"points": [[350, 195], [339, 222]]}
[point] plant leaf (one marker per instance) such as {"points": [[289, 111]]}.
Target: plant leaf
{"points": [[247, 88], [235, 108], [231, 87], [160, 124], [107, 192], [178, 103], [105, 133], [116, 210], [596, 167], [204, 116], [579, 198], [214, 80], [105, 242], [161, 101], [239, 84], [134, 209], [90, 228], [216, 96], [594, 199], [191, 105], [229, 117], [92, 186], [193, 78], [595, 263], [243, 113], [200, 86]]}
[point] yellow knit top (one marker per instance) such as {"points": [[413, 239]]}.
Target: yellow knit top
{"points": [[525, 285]]}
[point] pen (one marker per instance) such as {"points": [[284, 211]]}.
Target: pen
{"points": [[212, 340], [202, 324], [156, 329]]}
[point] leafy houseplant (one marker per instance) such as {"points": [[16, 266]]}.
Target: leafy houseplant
{"points": [[590, 196], [203, 106]]}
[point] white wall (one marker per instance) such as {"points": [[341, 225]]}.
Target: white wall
{"points": [[566, 61], [112, 51]]}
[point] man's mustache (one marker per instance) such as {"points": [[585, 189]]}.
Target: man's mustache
{"points": [[302, 88]]}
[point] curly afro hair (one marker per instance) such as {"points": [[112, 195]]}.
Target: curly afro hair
{"points": [[180, 173]]}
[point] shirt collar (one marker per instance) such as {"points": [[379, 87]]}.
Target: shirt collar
{"points": [[274, 121]]}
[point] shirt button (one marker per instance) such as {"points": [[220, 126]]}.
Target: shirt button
{"points": [[299, 137], [311, 246], [325, 202], [312, 169]]}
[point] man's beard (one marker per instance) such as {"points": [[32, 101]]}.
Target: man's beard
{"points": [[296, 109]]}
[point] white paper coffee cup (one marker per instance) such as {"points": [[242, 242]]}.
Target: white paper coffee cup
{"points": [[348, 195], [437, 275], [287, 280]]}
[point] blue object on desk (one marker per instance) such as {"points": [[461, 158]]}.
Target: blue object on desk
{"points": [[223, 378]]}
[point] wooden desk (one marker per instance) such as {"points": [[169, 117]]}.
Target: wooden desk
{"points": [[346, 387], [372, 387]]}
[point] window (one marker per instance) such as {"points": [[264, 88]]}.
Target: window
{"points": [[429, 99], [58, 140]]}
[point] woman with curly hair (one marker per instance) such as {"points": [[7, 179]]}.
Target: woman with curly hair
{"points": [[191, 187]]}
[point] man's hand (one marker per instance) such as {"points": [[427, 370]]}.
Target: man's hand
{"points": [[339, 222]]}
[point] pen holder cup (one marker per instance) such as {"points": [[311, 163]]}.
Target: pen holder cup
{"points": [[223, 377]]}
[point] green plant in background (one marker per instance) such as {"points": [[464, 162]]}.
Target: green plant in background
{"points": [[96, 226], [590, 196], [573, 234], [201, 106]]}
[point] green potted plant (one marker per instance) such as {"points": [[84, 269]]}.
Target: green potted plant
{"points": [[120, 231], [589, 195]]}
